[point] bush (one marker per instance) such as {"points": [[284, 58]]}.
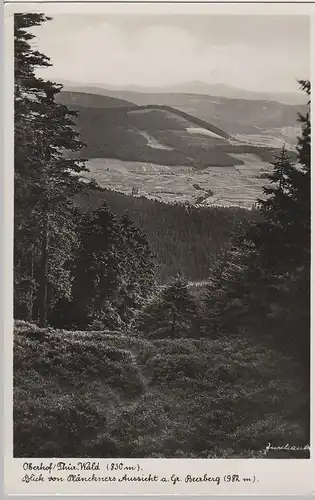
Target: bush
{"points": [[53, 425], [222, 398]]}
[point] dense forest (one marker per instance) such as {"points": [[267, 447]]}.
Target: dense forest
{"points": [[105, 316], [185, 239]]}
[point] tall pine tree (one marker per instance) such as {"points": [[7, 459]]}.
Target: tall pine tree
{"points": [[138, 269], [45, 181], [284, 236], [269, 286], [97, 271], [171, 312], [113, 273]]}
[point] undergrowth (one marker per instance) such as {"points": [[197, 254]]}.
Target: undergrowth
{"points": [[107, 394]]}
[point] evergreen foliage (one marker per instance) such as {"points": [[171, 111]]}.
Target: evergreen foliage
{"points": [[45, 181], [185, 239], [113, 274], [70, 269], [269, 294], [106, 394], [138, 268], [97, 269], [172, 312], [260, 285]]}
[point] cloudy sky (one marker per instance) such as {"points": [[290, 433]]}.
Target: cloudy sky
{"points": [[262, 53]]}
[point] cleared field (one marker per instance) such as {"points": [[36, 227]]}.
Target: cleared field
{"points": [[231, 186], [252, 165], [139, 111], [154, 143], [275, 137], [202, 131]]}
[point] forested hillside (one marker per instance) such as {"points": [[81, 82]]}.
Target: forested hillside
{"points": [[116, 132], [234, 116], [91, 100], [113, 128], [185, 239]]}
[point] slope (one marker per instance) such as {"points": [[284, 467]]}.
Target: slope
{"points": [[243, 116], [151, 134], [235, 116], [111, 394], [185, 240], [154, 134], [91, 100]]}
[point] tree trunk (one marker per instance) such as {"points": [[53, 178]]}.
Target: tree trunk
{"points": [[43, 281], [173, 324], [31, 294]]}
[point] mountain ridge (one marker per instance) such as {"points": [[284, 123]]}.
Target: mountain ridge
{"points": [[253, 121], [193, 87]]}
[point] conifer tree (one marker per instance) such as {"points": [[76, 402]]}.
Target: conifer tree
{"points": [[261, 285], [229, 289], [172, 312], [284, 236], [138, 268], [271, 233], [98, 270], [281, 168], [45, 180], [270, 294]]}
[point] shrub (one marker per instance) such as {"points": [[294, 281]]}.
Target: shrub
{"points": [[103, 394]]}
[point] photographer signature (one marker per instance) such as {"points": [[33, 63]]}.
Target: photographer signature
{"points": [[286, 447]]}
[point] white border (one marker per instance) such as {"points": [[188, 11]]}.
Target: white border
{"points": [[176, 7], [286, 477]]}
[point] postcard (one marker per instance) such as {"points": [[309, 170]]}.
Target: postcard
{"points": [[157, 268]]}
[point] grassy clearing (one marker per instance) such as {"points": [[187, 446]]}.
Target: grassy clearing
{"points": [[108, 394]]}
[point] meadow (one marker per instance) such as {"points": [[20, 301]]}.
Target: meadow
{"points": [[231, 186]]}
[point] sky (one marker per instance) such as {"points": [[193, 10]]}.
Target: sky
{"points": [[260, 53]]}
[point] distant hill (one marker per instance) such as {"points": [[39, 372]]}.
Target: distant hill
{"points": [[157, 134], [259, 121], [234, 116], [90, 100], [151, 133], [196, 87], [222, 90]]}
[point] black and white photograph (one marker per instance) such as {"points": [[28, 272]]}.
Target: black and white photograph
{"points": [[161, 236]]}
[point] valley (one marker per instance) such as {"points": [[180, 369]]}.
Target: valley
{"points": [[231, 186], [163, 146]]}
